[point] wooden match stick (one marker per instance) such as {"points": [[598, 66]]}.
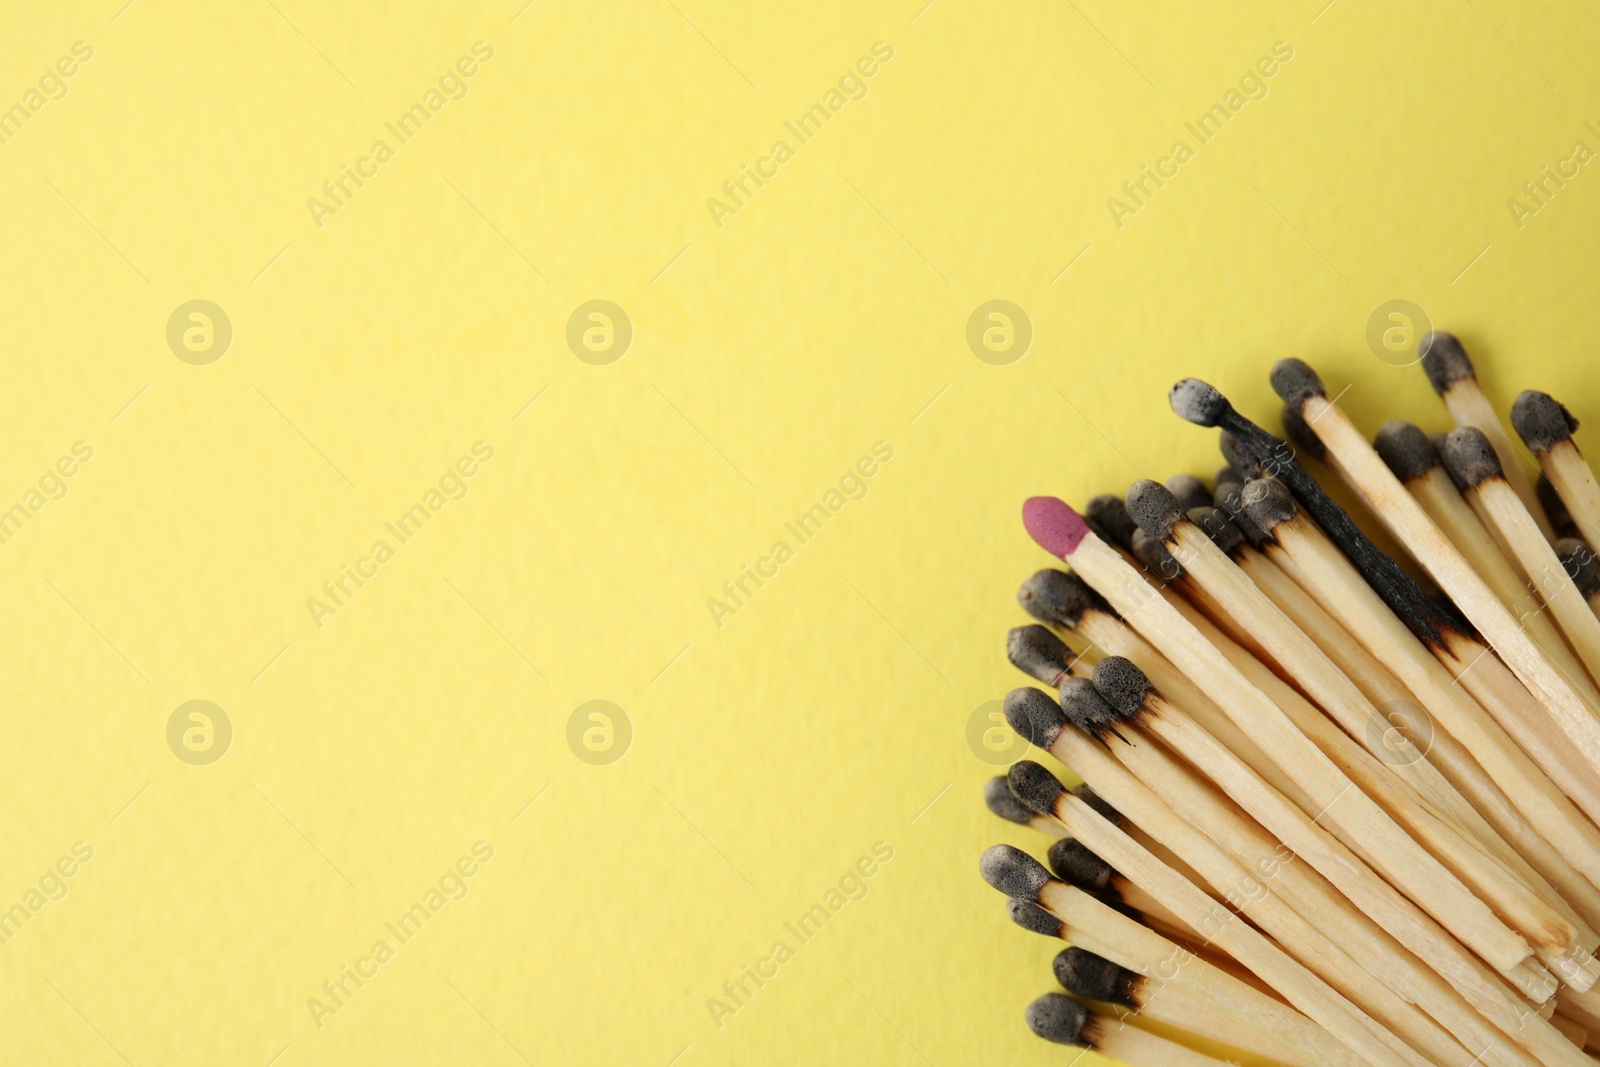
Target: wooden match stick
{"points": [[1096, 978], [1057, 1017], [1554, 508], [1105, 932], [1239, 889], [1581, 564], [1405, 862], [1417, 463], [1300, 388], [1546, 427], [1540, 804], [1472, 460], [1452, 376]]}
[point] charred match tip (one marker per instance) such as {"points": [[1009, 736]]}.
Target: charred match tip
{"points": [[1057, 1017], [1268, 502], [1154, 508], [1098, 803], [1444, 361], [1581, 566], [1230, 501], [1013, 872], [1298, 430], [1555, 508], [1084, 707], [1541, 421], [1437, 440], [1034, 716], [1245, 465], [1121, 685], [1032, 918], [998, 798], [1037, 652], [1295, 382], [1189, 491], [1094, 977], [1059, 598], [1035, 786], [1470, 456], [1155, 557], [1107, 516], [1406, 449], [1195, 401], [1226, 474], [1054, 525], [1218, 527], [1075, 865]]}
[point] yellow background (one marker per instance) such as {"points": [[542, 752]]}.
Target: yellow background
{"points": [[768, 354]]}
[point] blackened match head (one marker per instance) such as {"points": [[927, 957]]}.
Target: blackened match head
{"points": [[1295, 382], [1218, 527], [1154, 508], [1122, 685], [1085, 708], [1298, 430], [1059, 598], [1244, 463], [998, 798], [1099, 803], [1032, 918], [1555, 508], [1075, 865], [1230, 501], [1013, 872], [1189, 491], [1578, 560], [1268, 502], [1471, 456], [1037, 652], [1035, 786], [1444, 361], [1155, 557], [1057, 1017], [1053, 525], [1227, 474], [1109, 518], [1437, 440], [1034, 716], [1094, 977], [1197, 402], [1406, 449], [1541, 421]]}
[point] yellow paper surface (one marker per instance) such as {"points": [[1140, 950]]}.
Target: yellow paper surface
{"points": [[776, 341]]}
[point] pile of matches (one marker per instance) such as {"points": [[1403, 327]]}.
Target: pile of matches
{"points": [[1335, 809]]}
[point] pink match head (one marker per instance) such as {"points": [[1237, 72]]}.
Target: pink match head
{"points": [[1054, 524]]}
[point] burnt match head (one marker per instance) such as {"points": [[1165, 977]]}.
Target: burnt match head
{"points": [[1406, 449], [1085, 708], [1555, 508], [1218, 527], [1099, 803], [998, 798], [1037, 652], [1053, 524], [1095, 977], [1189, 491], [1578, 560], [1122, 685], [1226, 474], [1444, 361], [1013, 872], [1032, 918], [1034, 716], [1059, 598], [1295, 382], [1243, 462], [1057, 1017], [1154, 508], [1540, 421], [1197, 402], [1268, 502], [1075, 865], [1035, 786], [1230, 501], [1107, 516], [1300, 432], [1470, 456], [1437, 440], [1155, 557]]}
